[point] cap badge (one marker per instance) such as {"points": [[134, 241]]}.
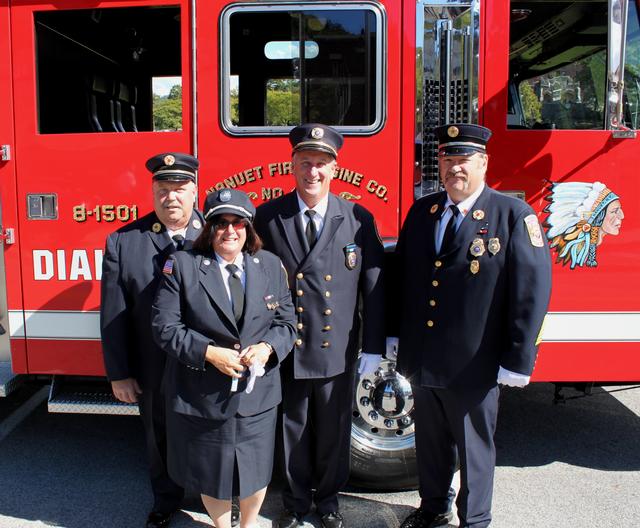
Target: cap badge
{"points": [[477, 247], [493, 246], [453, 131], [156, 227], [478, 214], [474, 267], [225, 195], [169, 160], [434, 208], [317, 133], [196, 224]]}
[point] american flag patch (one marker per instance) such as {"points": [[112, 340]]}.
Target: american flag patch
{"points": [[168, 267]]}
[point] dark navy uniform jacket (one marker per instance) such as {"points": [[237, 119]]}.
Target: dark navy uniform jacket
{"points": [[463, 326], [131, 270], [192, 310], [325, 285]]}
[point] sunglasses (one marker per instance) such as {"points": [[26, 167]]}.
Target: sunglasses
{"points": [[223, 225]]}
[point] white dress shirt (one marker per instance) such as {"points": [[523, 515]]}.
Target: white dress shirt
{"points": [[318, 218], [238, 261], [464, 207]]}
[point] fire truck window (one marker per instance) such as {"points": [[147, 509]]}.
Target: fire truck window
{"points": [[632, 70], [288, 66], [557, 62], [109, 70]]}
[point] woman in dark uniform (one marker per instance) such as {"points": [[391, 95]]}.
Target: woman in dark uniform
{"points": [[224, 316]]}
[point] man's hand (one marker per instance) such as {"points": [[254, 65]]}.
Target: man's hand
{"points": [[126, 390], [226, 360], [259, 352]]}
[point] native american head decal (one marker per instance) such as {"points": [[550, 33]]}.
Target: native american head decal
{"points": [[580, 216]]}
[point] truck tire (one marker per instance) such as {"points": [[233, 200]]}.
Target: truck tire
{"points": [[382, 431]]}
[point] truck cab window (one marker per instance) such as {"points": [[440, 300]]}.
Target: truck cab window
{"points": [[558, 65], [109, 70], [287, 65]]}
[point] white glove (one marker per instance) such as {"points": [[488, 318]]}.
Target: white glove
{"points": [[256, 370], [392, 348], [512, 379], [369, 363]]}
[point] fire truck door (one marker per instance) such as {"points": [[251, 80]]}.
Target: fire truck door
{"points": [[447, 76], [98, 90]]}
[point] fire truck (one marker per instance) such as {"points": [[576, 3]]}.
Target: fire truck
{"points": [[91, 89]]}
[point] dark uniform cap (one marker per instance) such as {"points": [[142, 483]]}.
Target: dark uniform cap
{"points": [[462, 139], [314, 136], [228, 201], [173, 166]]}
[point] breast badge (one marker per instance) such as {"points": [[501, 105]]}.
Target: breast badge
{"points": [[478, 214], [433, 209], [271, 303], [350, 257], [493, 246], [533, 228], [477, 247], [196, 224], [156, 227], [474, 267]]}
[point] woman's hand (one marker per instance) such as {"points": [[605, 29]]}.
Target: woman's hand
{"points": [[226, 360], [259, 352]]}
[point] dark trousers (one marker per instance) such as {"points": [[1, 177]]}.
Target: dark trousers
{"points": [[316, 424], [466, 419], [167, 495]]}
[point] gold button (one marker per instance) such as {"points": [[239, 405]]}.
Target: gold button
{"points": [[327, 311], [299, 293], [237, 346], [429, 323], [325, 344], [327, 328], [432, 302], [435, 283], [437, 263], [300, 276], [298, 342], [327, 294], [300, 309], [300, 326], [327, 277]]}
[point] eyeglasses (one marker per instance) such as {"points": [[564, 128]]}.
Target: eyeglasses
{"points": [[223, 225]]}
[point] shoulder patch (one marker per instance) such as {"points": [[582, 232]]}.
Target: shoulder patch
{"points": [[168, 266], [533, 228]]}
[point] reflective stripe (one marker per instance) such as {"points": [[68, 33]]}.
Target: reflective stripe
{"points": [[591, 327], [50, 324]]}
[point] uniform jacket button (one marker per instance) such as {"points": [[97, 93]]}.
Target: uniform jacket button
{"points": [[298, 342], [327, 294], [299, 293], [327, 311], [327, 328], [435, 283], [437, 263], [300, 309], [327, 278], [300, 276], [432, 302], [300, 326], [325, 344], [429, 323], [237, 346]]}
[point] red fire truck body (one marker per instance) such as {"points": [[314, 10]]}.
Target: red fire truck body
{"points": [[83, 85]]}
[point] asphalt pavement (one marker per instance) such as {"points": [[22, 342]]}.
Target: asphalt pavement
{"points": [[575, 464]]}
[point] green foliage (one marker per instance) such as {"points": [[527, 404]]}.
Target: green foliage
{"points": [[530, 104], [167, 111], [283, 102]]}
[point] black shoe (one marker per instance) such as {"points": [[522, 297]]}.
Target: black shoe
{"points": [[288, 519], [235, 512], [158, 519], [424, 519], [332, 520]]}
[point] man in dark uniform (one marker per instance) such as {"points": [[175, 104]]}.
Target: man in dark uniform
{"points": [[332, 254], [132, 268], [474, 280]]}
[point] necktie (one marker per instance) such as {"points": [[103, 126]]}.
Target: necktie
{"points": [[237, 293], [450, 230], [311, 231], [178, 240]]}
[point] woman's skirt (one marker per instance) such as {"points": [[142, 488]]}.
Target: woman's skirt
{"points": [[221, 458]]}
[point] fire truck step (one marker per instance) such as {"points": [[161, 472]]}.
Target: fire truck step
{"points": [[8, 380], [85, 396]]}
